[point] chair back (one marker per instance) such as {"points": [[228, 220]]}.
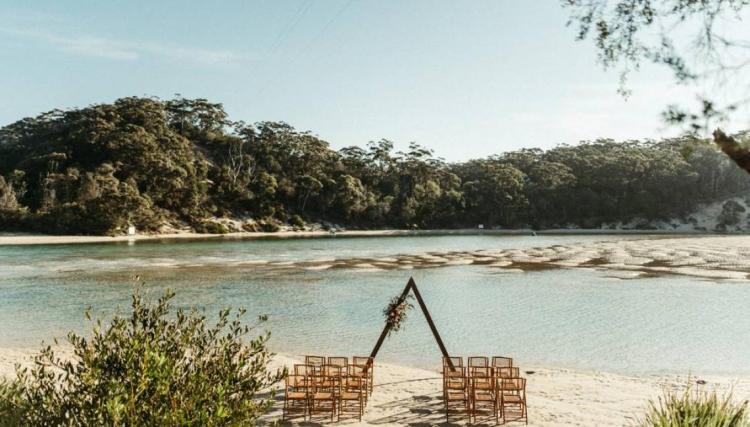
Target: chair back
{"points": [[361, 360], [300, 369], [357, 370], [457, 380], [502, 362], [480, 372], [316, 361], [513, 385], [296, 382], [478, 362], [333, 371], [338, 361], [507, 373], [456, 360]]}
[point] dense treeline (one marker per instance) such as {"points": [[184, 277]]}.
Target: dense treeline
{"points": [[149, 162]]}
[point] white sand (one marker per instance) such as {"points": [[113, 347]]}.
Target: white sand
{"points": [[45, 239], [556, 397], [711, 257]]}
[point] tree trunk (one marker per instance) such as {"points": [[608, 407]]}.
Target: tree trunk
{"points": [[733, 149]]}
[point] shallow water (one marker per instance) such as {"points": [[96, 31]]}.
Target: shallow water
{"points": [[574, 318]]}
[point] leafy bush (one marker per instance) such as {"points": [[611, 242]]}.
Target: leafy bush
{"points": [[250, 226], [211, 227], [695, 408], [153, 367], [296, 221], [730, 214], [269, 226]]}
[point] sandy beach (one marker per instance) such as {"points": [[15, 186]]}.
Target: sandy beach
{"points": [[47, 239], [556, 397]]}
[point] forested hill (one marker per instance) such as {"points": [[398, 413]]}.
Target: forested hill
{"points": [[155, 164]]}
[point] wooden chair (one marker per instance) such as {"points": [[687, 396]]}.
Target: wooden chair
{"points": [[326, 390], [502, 362], [483, 395], [354, 392], [368, 363], [453, 378], [296, 395], [512, 393], [456, 394], [358, 376], [479, 362], [482, 390]]}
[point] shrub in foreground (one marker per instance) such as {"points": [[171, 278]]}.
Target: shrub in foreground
{"points": [[695, 408], [153, 367]]}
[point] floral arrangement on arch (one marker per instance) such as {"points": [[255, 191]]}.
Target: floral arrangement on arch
{"points": [[395, 312]]}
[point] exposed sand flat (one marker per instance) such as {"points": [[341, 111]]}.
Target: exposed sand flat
{"points": [[556, 397], [712, 257], [724, 257]]}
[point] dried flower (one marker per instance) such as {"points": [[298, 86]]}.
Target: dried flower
{"points": [[395, 313]]}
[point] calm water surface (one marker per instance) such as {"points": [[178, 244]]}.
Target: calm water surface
{"points": [[569, 318]]}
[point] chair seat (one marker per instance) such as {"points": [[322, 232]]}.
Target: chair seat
{"points": [[323, 395], [449, 373], [512, 399], [350, 395], [296, 395], [484, 397], [456, 395]]}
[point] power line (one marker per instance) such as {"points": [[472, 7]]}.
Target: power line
{"points": [[328, 24], [289, 28], [312, 41]]}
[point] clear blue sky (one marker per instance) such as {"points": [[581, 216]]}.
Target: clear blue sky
{"points": [[467, 79]]}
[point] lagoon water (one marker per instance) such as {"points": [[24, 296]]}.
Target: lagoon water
{"points": [[576, 318]]}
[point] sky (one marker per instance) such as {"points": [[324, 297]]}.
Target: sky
{"points": [[467, 79]]}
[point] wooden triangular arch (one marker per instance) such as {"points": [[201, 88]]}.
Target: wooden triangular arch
{"points": [[412, 286]]}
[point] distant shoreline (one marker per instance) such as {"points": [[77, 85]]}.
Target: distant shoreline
{"points": [[45, 239]]}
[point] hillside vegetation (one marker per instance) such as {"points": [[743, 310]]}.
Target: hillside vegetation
{"points": [[158, 164]]}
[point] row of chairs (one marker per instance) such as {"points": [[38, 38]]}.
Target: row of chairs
{"points": [[329, 385], [482, 386]]}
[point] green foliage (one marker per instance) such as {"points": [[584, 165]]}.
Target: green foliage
{"points": [[730, 213], [146, 162], [211, 227], [153, 367], [297, 221], [269, 226], [686, 37], [695, 408]]}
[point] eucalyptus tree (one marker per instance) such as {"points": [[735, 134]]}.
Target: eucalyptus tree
{"points": [[703, 43]]}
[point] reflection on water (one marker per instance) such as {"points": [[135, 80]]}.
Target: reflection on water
{"points": [[570, 318]]}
